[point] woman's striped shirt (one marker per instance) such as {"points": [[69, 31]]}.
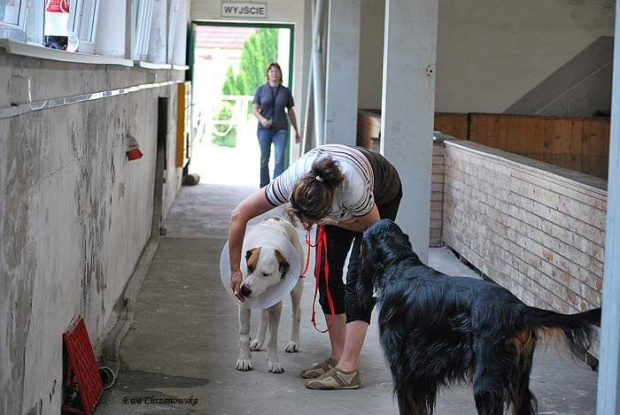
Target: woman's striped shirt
{"points": [[353, 197]]}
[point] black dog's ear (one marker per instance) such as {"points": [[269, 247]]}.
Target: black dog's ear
{"points": [[368, 269], [284, 266]]}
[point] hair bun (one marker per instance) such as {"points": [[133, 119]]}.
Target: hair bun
{"points": [[326, 171]]}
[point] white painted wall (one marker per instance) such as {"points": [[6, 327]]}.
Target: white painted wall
{"points": [[491, 52], [75, 214], [278, 11]]}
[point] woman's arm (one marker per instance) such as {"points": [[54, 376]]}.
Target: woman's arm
{"points": [[358, 223], [249, 208], [262, 120], [293, 118]]}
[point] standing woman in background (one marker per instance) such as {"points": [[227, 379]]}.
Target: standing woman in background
{"points": [[270, 101]]}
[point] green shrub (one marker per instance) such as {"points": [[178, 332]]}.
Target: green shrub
{"points": [[226, 135]]}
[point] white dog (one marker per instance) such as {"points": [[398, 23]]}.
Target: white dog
{"points": [[266, 267]]}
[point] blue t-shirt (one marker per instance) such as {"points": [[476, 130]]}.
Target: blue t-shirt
{"points": [[265, 96]]}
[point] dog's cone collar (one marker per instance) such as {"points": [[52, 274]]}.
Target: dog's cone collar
{"points": [[277, 292]]}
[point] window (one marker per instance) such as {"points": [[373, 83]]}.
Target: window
{"points": [[173, 21], [34, 22], [13, 19], [24, 21], [141, 18], [96, 26], [83, 21]]}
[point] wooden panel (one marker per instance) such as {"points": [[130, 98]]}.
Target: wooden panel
{"points": [[580, 144], [532, 142], [563, 142], [482, 129], [453, 124], [368, 126], [595, 147], [183, 144]]}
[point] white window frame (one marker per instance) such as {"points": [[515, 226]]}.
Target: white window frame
{"points": [[141, 19], [34, 32], [15, 31], [83, 17], [83, 22], [173, 21]]}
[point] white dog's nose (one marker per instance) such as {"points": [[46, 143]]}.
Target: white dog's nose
{"points": [[245, 290]]}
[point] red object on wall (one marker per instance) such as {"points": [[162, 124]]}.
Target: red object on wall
{"points": [[133, 150], [82, 366], [134, 154]]}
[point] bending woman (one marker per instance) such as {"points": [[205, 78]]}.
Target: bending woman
{"points": [[345, 189]]}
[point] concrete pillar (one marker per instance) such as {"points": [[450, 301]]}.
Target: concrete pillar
{"points": [[609, 363], [408, 106], [317, 73], [343, 58]]}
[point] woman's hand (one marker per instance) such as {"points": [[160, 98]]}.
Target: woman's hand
{"points": [[236, 277], [249, 208], [297, 138], [265, 123], [329, 222]]}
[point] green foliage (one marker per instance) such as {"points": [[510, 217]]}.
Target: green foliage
{"points": [[226, 137], [259, 50]]}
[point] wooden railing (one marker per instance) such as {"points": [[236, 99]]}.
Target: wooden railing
{"points": [[580, 144]]}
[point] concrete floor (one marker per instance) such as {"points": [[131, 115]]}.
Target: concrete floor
{"points": [[179, 356]]}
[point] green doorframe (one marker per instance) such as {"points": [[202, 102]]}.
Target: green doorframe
{"points": [[192, 47]]}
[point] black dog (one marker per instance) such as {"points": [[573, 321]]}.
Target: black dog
{"points": [[436, 329]]}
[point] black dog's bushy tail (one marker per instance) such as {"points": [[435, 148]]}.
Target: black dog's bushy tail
{"points": [[573, 330]]}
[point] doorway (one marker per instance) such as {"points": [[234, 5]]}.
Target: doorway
{"points": [[228, 62]]}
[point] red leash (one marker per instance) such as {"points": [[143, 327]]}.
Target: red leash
{"points": [[321, 249], [309, 245]]}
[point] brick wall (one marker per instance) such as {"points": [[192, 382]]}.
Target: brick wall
{"points": [[535, 229], [436, 190], [437, 194]]}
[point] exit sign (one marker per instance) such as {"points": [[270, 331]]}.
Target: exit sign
{"points": [[256, 10]]}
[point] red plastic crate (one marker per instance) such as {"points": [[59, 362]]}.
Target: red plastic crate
{"points": [[83, 365]]}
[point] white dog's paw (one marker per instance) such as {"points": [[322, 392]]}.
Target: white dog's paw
{"points": [[244, 364], [292, 347], [275, 367], [256, 345]]}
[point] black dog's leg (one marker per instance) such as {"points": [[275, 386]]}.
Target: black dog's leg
{"points": [[523, 400], [406, 405], [489, 400], [414, 399], [488, 378]]}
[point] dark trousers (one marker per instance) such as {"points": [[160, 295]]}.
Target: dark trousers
{"points": [[339, 242]]}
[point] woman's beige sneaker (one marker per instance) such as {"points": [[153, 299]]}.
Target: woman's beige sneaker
{"points": [[335, 379], [319, 369]]}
